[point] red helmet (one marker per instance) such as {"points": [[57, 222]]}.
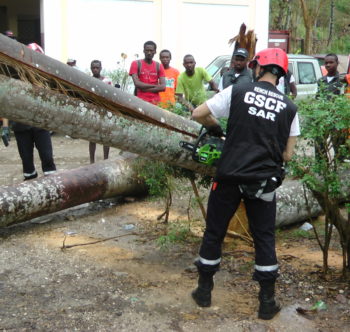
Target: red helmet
{"points": [[273, 57], [35, 47]]}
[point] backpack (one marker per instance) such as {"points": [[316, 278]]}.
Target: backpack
{"points": [[139, 70]]}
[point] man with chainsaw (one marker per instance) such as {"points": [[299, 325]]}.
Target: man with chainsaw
{"points": [[261, 135]]}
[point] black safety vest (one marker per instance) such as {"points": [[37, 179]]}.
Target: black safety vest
{"points": [[230, 78], [333, 87], [258, 129]]}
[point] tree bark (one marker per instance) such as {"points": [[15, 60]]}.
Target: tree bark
{"points": [[66, 189], [43, 108], [331, 23], [310, 12]]}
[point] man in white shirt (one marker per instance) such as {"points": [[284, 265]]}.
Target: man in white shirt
{"points": [[261, 134]]}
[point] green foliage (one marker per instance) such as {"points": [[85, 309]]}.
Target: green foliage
{"points": [[177, 233], [121, 76], [300, 233], [157, 175], [343, 6], [325, 120], [162, 178], [178, 109], [325, 129], [287, 15]]}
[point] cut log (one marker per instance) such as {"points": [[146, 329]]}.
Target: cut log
{"points": [[66, 189], [291, 204]]}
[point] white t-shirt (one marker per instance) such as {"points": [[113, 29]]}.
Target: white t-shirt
{"points": [[220, 104], [281, 86]]}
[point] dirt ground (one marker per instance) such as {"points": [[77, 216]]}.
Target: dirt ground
{"points": [[130, 283]]}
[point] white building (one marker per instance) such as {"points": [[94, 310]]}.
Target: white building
{"points": [[103, 29]]}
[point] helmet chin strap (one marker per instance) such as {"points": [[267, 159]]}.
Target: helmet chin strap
{"points": [[262, 72]]}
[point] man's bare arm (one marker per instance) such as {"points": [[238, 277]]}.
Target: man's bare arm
{"points": [[181, 99], [141, 85], [288, 152], [159, 87], [203, 115], [293, 89], [213, 86]]}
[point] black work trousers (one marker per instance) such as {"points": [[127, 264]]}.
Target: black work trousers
{"points": [[41, 139], [223, 202]]}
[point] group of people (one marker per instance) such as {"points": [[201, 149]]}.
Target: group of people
{"points": [[163, 85], [262, 129]]}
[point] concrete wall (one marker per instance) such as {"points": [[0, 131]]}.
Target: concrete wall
{"points": [[20, 8], [103, 29]]}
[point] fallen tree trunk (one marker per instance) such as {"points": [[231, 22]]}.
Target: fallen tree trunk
{"points": [[43, 108], [66, 189], [292, 206], [106, 179]]}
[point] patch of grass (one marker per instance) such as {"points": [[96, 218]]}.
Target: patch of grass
{"points": [[294, 234], [300, 233], [178, 232]]}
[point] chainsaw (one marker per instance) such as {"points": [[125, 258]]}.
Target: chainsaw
{"points": [[206, 149]]}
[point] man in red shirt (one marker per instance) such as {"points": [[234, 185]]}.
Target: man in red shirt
{"points": [[148, 75]]}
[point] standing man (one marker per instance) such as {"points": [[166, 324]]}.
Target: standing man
{"points": [[261, 134], [27, 137], [96, 68], [331, 80], [331, 84], [287, 85], [148, 75], [167, 97], [238, 72], [190, 90]]}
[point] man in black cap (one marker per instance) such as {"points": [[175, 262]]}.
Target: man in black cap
{"points": [[238, 72]]}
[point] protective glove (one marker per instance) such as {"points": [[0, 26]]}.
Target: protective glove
{"points": [[215, 130], [5, 135], [6, 132]]}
